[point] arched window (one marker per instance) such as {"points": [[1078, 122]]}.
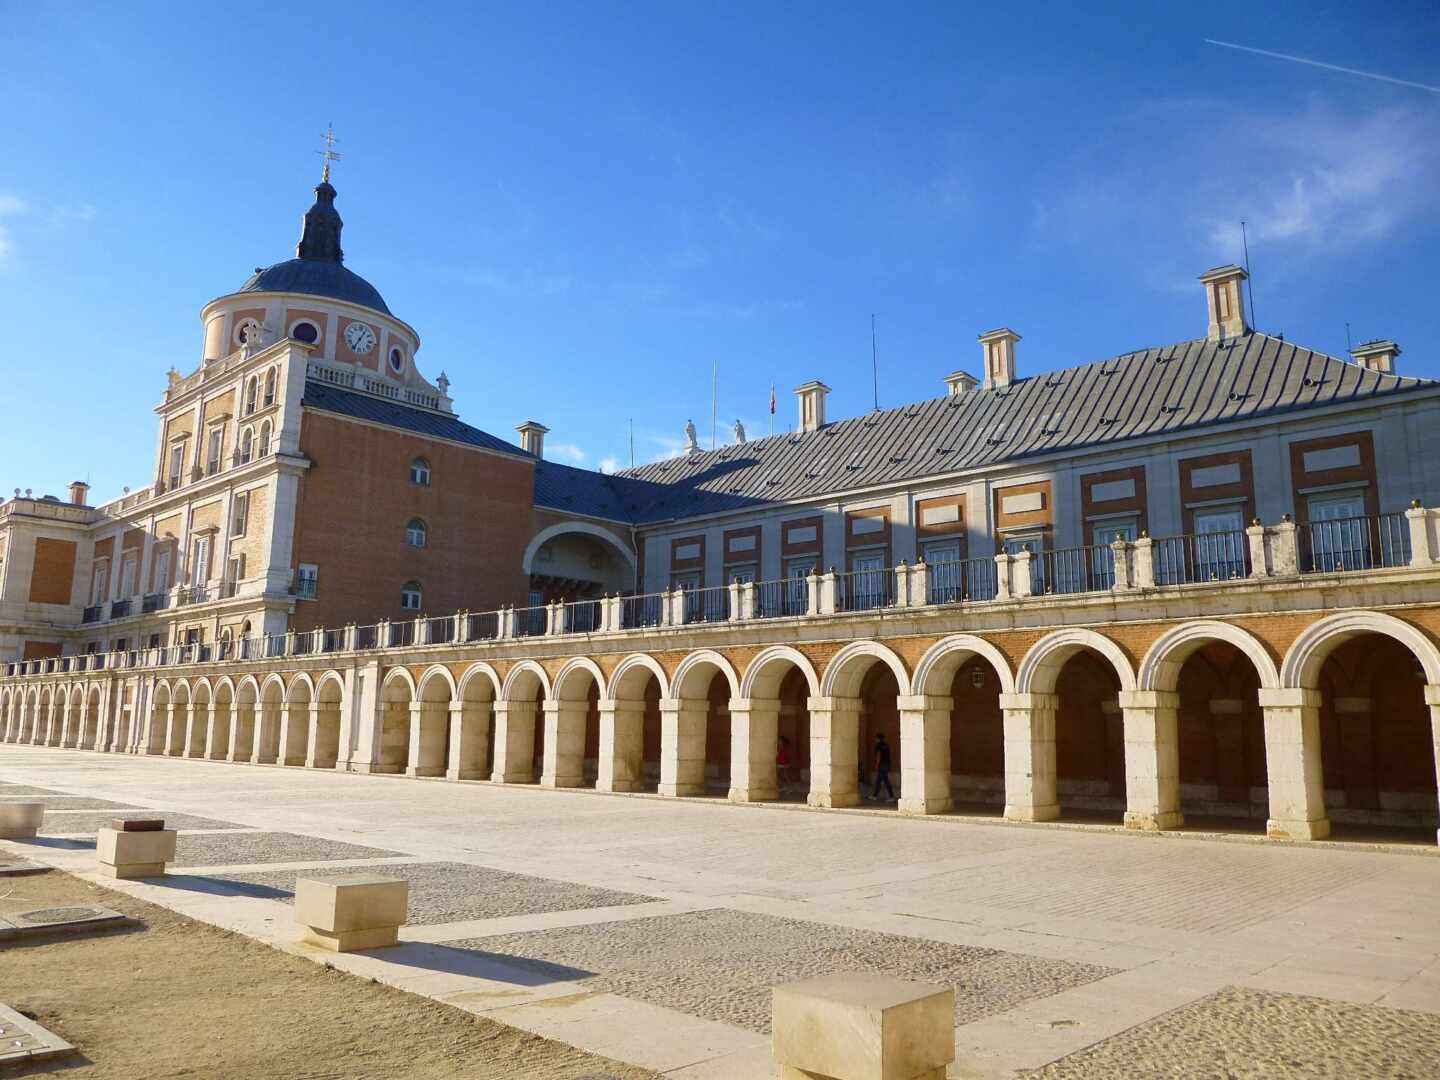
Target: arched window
{"points": [[416, 534], [247, 446], [307, 332], [420, 472], [264, 438], [252, 388], [270, 388], [411, 596]]}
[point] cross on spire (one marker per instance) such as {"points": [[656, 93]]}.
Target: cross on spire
{"points": [[328, 154]]}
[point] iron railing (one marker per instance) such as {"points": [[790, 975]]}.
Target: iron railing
{"points": [[482, 626], [1357, 543], [863, 590], [778, 599], [582, 617], [1199, 557], [156, 601], [1072, 570], [707, 605], [645, 610], [967, 579], [119, 609]]}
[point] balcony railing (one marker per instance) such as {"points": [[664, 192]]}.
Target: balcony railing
{"points": [[1283, 551], [119, 609], [91, 614], [192, 594], [1357, 543], [307, 588], [157, 601]]}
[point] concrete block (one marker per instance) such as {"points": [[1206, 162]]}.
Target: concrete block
{"points": [[20, 820], [356, 911], [858, 1026], [128, 855]]}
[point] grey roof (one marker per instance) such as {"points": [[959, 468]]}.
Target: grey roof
{"points": [[1150, 392], [316, 277], [333, 399]]}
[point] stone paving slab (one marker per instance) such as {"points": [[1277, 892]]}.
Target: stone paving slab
{"points": [[1242, 1034], [12, 866], [720, 964], [234, 849], [45, 922], [455, 892], [26, 790], [23, 1040], [69, 802], [87, 824]]}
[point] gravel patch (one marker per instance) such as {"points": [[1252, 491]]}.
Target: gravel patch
{"points": [[721, 964], [452, 892], [216, 849], [26, 789], [1239, 1034], [87, 824], [70, 802]]}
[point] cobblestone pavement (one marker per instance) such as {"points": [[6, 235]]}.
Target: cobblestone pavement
{"points": [[1239, 1034], [721, 964], [87, 824], [455, 892], [235, 849]]}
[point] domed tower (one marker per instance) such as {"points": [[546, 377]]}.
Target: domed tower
{"points": [[316, 300]]}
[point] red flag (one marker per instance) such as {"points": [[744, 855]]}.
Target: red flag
{"points": [[772, 399]]}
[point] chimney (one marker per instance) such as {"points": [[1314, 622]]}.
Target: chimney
{"points": [[999, 346], [532, 438], [1226, 301], [78, 492], [1376, 356], [812, 404], [960, 382]]}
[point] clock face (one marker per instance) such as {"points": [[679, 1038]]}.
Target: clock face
{"points": [[360, 338]]}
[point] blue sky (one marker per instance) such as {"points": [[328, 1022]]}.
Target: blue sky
{"points": [[583, 209]]}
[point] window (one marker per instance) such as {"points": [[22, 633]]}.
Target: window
{"points": [[177, 464], [240, 514], [416, 534], [200, 562], [252, 389], [154, 641], [234, 571], [1035, 545], [270, 388], [127, 575], [212, 453], [411, 596], [245, 331], [162, 569], [264, 439], [420, 472], [307, 332], [98, 581], [797, 587], [307, 581], [397, 361], [1220, 544], [247, 446], [1339, 536]]}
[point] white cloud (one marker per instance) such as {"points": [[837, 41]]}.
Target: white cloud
{"points": [[609, 465], [12, 204], [566, 452]]}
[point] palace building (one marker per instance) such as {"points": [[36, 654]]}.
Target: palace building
{"points": [[1197, 580]]}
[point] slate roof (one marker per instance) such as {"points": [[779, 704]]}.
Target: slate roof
{"points": [[1149, 392], [315, 277]]}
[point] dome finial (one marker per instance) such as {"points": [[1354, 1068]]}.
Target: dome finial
{"points": [[328, 154]]}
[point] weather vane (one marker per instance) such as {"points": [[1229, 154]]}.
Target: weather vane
{"points": [[328, 153]]}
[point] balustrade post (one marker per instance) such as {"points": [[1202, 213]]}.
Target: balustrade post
{"points": [[747, 600], [920, 584], [828, 590], [382, 634], [1259, 557], [733, 589], [1003, 591], [672, 608], [347, 639], [1022, 584], [812, 593], [421, 636], [1284, 554], [289, 642], [1120, 559], [902, 584], [461, 622], [505, 622], [1144, 570], [1417, 518]]}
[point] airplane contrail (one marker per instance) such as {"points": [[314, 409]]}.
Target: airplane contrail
{"points": [[1327, 67]]}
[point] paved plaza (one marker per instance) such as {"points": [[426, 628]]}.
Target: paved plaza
{"points": [[648, 930]]}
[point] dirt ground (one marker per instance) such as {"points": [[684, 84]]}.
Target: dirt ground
{"points": [[179, 998]]}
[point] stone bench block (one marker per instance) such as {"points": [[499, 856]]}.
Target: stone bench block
{"points": [[356, 911], [857, 1026], [20, 820], [127, 854]]}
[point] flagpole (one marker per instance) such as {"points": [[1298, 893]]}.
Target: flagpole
{"points": [[714, 401]]}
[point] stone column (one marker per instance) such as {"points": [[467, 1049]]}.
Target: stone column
{"points": [[1255, 535], [1284, 554], [1417, 522], [1030, 756], [924, 753], [294, 734], [429, 721], [1152, 759], [243, 720], [682, 746], [564, 763], [514, 742], [171, 718], [834, 751], [324, 716], [1432, 699], [210, 750], [622, 746], [754, 742], [469, 738], [1292, 762]]}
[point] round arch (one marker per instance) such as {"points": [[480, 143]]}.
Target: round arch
{"points": [[398, 675], [940, 662], [1160, 669], [433, 674], [633, 663], [1301, 667], [846, 669], [560, 529], [567, 682], [301, 679], [226, 686], [482, 674], [1042, 664], [201, 691], [247, 691], [519, 676], [695, 664], [761, 680], [328, 679]]}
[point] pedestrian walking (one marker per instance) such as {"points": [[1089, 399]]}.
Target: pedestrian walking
{"points": [[882, 768]]}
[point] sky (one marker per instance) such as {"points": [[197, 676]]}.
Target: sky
{"points": [[594, 213]]}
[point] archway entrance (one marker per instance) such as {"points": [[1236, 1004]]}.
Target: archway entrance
{"points": [[1089, 739], [1221, 740]]}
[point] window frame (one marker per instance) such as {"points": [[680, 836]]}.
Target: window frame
{"points": [[420, 465], [417, 529], [412, 589]]}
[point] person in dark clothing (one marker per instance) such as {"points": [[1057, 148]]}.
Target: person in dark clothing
{"points": [[882, 768]]}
